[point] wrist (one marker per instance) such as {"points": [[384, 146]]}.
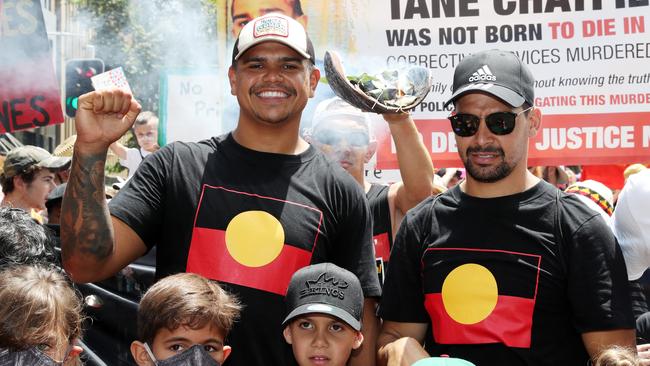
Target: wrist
{"points": [[397, 118], [90, 148]]}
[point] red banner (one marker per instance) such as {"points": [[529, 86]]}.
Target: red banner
{"points": [[29, 91], [576, 139]]}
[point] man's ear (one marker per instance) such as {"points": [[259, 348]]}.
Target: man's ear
{"points": [[19, 183], [534, 122], [226, 352], [140, 354], [314, 78], [371, 150], [358, 340], [232, 77], [287, 335]]}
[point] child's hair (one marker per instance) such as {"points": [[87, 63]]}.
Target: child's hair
{"points": [[23, 240], [38, 305], [144, 118], [617, 356], [185, 299]]}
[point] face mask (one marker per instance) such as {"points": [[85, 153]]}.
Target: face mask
{"points": [[193, 356], [29, 357]]}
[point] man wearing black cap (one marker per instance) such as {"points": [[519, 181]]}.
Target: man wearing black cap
{"points": [[247, 209], [28, 177], [505, 268]]}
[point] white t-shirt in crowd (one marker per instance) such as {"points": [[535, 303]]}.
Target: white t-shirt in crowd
{"points": [[631, 223], [133, 159]]}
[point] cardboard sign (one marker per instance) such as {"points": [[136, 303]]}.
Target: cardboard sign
{"points": [[29, 90], [111, 79], [191, 103]]}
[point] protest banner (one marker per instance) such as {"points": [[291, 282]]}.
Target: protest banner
{"points": [[589, 59], [29, 90]]}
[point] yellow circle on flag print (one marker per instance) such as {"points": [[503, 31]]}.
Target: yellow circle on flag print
{"points": [[469, 293], [254, 238]]}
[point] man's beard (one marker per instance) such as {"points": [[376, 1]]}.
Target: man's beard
{"points": [[491, 174]]}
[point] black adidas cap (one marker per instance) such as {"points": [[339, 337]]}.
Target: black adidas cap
{"points": [[497, 72], [325, 288]]}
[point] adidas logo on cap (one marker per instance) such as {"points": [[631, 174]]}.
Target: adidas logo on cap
{"points": [[496, 72], [482, 74]]}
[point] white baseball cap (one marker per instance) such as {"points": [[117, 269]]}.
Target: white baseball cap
{"points": [[274, 27], [338, 108]]}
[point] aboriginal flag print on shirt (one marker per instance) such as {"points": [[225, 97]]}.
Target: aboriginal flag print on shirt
{"points": [[481, 296], [250, 240]]}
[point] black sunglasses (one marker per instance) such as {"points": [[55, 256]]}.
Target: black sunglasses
{"points": [[499, 123]]}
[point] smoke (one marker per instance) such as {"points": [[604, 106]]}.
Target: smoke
{"points": [[148, 37], [185, 31]]}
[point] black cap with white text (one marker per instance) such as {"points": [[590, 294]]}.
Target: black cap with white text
{"points": [[497, 72], [325, 288]]}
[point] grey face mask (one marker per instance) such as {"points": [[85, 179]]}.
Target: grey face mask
{"points": [[193, 356], [29, 357]]}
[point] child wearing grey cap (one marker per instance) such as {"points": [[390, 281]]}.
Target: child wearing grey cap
{"points": [[324, 312]]}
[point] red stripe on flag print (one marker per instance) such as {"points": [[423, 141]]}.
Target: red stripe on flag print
{"points": [[480, 296], [509, 323], [382, 246], [209, 257]]}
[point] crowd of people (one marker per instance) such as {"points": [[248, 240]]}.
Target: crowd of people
{"points": [[273, 249]]}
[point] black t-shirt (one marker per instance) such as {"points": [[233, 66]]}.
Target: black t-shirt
{"points": [[510, 280], [249, 220], [382, 231], [643, 328]]}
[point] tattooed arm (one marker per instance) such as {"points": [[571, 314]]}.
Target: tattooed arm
{"points": [[94, 245]]}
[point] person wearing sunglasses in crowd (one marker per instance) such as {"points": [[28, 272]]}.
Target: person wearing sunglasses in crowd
{"points": [[505, 268], [343, 133]]}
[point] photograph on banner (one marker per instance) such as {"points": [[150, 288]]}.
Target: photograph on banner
{"points": [[590, 61], [29, 90]]}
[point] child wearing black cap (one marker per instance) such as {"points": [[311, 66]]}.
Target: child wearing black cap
{"points": [[324, 307]]}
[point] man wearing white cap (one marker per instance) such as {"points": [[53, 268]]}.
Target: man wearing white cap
{"points": [[247, 209], [343, 133]]}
